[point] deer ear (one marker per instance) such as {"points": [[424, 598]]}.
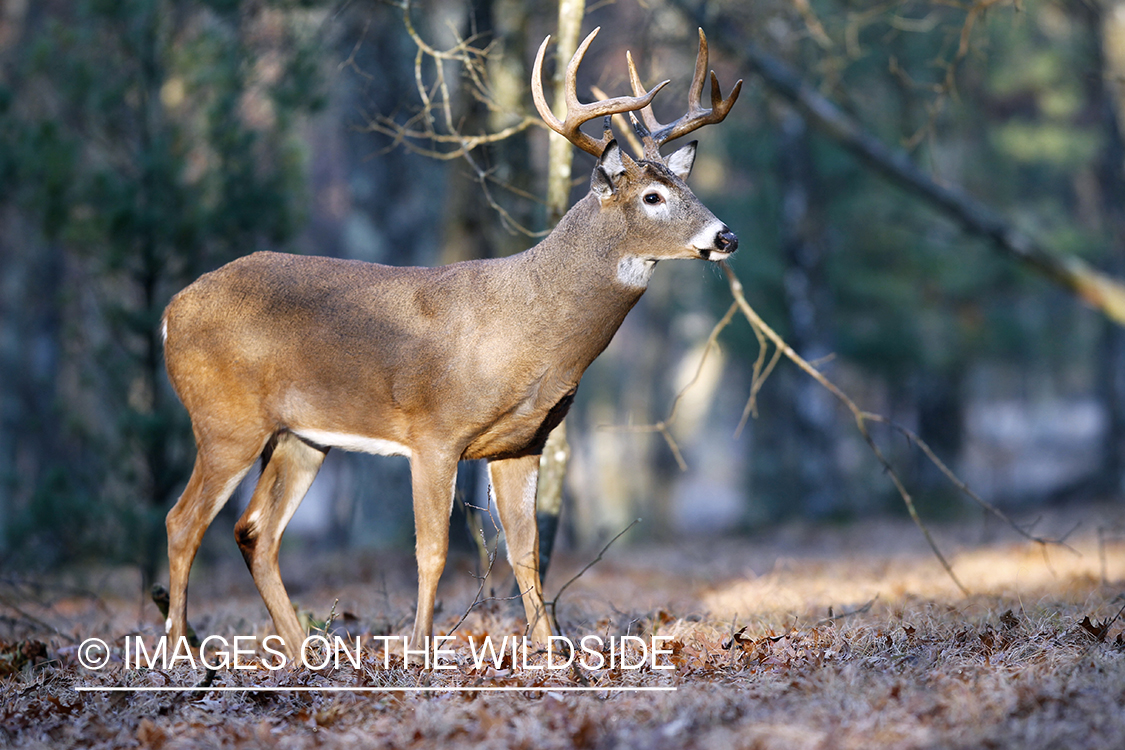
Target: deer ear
{"points": [[681, 161], [611, 166]]}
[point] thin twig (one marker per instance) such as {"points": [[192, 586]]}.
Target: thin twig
{"points": [[964, 488], [483, 577], [34, 620], [483, 177], [404, 136], [757, 380], [553, 603], [860, 610], [765, 334], [663, 425]]}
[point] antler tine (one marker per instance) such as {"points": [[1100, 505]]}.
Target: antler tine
{"points": [[697, 116], [638, 87], [577, 112], [695, 91]]}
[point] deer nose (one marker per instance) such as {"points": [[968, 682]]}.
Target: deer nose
{"points": [[726, 241]]}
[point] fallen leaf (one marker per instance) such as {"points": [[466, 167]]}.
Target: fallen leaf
{"points": [[1096, 629]]}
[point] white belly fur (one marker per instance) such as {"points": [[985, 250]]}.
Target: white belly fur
{"points": [[359, 443]]}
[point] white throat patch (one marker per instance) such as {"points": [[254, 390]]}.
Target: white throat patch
{"points": [[634, 271]]}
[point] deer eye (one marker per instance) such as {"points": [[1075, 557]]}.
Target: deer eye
{"points": [[653, 199]]}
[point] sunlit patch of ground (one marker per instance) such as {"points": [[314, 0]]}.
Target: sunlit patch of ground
{"points": [[847, 637]]}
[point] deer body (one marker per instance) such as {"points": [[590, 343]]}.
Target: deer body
{"points": [[283, 357], [475, 354]]}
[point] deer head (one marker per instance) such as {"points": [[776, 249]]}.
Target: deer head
{"points": [[658, 216]]}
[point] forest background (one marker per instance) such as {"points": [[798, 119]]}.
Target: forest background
{"points": [[145, 142]]}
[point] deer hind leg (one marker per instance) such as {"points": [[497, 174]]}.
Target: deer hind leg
{"points": [[289, 467], [514, 480], [219, 467], [433, 481]]}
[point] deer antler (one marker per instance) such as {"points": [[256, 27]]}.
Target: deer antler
{"points": [[577, 112], [653, 134]]}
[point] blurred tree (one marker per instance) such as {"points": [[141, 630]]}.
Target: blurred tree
{"points": [[811, 411], [167, 132], [1104, 24]]}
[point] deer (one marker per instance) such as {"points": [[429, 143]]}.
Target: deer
{"points": [[280, 357]]}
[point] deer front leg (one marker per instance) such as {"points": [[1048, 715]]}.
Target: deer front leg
{"points": [[288, 472], [432, 478], [514, 480]]}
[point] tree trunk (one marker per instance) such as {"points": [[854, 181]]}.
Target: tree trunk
{"points": [[811, 409], [1106, 25], [556, 453]]}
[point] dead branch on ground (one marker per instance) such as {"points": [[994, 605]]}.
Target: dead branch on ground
{"points": [[860, 610]]}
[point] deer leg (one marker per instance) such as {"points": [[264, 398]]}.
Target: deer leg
{"points": [[212, 481], [433, 482], [287, 473], [514, 480]]}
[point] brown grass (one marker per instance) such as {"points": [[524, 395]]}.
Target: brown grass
{"points": [[813, 638]]}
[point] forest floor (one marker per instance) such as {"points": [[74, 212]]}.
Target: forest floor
{"points": [[805, 637]]}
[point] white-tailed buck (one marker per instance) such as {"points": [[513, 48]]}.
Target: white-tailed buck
{"points": [[281, 357]]}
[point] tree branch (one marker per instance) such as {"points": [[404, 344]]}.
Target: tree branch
{"points": [[860, 416], [1100, 291]]}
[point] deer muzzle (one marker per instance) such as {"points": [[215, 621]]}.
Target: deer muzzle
{"points": [[725, 243]]}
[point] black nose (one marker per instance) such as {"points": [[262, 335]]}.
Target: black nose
{"points": [[726, 241]]}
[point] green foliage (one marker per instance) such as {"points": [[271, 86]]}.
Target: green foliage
{"points": [[146, 140]]}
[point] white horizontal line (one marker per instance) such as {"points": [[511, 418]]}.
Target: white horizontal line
{"points": [[352, 689]]}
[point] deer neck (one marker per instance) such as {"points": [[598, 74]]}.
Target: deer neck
{"points": [[584, 258], [574, 278]]}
